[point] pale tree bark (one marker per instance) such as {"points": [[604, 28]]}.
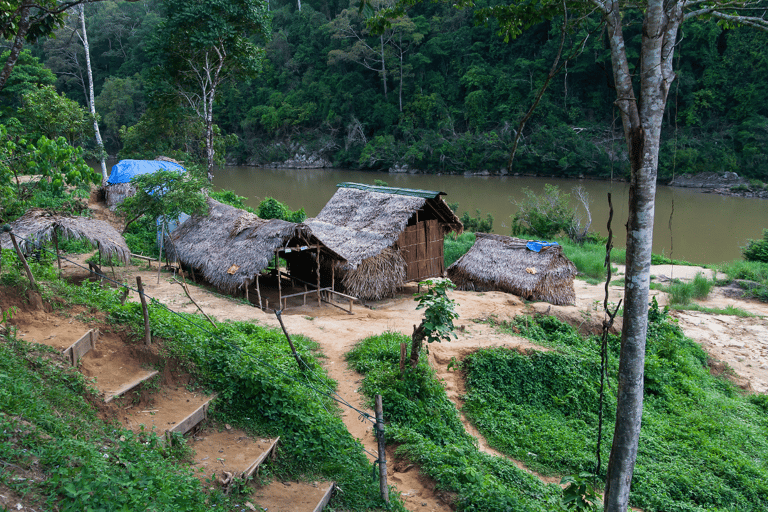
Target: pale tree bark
{"points": [[91, 103]]}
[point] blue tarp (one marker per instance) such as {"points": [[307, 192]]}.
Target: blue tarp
{"points": [[123, 171], [538, 245]]}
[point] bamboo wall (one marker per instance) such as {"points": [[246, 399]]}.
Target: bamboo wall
{"points": [[422, 248]]}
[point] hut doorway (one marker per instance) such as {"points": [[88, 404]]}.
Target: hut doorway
{"points": [[421, 245]]}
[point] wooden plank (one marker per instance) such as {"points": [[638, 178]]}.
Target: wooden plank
{"points": [[255, 464], [326, 498], [127, 387], [82, 346], [193, 419]]}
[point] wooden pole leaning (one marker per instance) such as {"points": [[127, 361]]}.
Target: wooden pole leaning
{"points": [[382, 450], [145, 311], [278, 313], [23, 261]]}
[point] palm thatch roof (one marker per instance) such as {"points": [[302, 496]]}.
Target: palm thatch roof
{"points": [[38, 226], [503, 263], [363, 224], [359, 223], [231, 246]]}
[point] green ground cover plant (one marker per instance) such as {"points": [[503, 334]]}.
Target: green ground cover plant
{"points": [[48, 423], [681, 293], [754, 271], [426, 426], [703, 445]]}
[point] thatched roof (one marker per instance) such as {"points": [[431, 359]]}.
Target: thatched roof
{"points": [[230, 245], [361, 221], [503, 263], [37, 226]]}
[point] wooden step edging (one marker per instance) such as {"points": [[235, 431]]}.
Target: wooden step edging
{"points": [[326, 498], [190, 421], [82, 346], [255, 464], [127, 387]]}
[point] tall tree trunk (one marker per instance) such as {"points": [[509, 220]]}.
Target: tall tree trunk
{"points": [[92, 104], [18, 44], [383, 67], [208, 108], [401, 72], [642, 129]]}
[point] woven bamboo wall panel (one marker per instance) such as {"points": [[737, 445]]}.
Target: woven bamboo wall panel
{"points": [[422, 248]]}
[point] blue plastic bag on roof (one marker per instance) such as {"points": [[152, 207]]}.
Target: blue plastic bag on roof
{"points": [[538, 245], [123, 171]]}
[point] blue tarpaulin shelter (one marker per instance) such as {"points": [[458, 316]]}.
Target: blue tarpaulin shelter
{"points": [[123, 171]]}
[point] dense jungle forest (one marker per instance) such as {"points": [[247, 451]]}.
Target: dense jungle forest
{"points": [[435, 92]]}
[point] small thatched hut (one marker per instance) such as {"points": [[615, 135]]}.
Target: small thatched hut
{"points": [[119, 184], [38, 226], [231, 247], [506, 264], [388, 236]]}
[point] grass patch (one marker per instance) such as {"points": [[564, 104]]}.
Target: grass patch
{"points": [[703, 445], [47, 424], [682, 292], [754, 271], [425, 425], [454, 247], [729, 310]]}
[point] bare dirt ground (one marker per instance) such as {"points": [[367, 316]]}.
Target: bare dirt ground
{"points": [[740, 344]]}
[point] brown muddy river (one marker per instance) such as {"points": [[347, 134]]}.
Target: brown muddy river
{"points": [[705, 228]]}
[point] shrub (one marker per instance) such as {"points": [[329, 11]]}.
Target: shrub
{"points": [[271, 208], [757, 250]]}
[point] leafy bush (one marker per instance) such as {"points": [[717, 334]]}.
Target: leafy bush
{"points": [[271, 208], [477, 224], [757, 250], [682, 293]]}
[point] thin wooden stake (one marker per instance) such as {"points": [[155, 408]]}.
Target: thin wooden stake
{"points": [[160, 257], [258, 290], [147, 335], [278, 313], [319, 299], [23, 261], [403, 351], [382, 450], [56, 246], [186, 290]]}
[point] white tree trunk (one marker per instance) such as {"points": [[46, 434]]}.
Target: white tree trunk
{"points": [[642, 130], [91, 104], [383, 66]]}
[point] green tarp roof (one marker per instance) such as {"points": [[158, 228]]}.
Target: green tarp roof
{"points": [[426, 194]]}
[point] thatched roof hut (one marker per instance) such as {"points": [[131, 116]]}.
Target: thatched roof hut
{"points": [[38, 226], [387, 236], [231, 246], [119, 184], [506, 264]]}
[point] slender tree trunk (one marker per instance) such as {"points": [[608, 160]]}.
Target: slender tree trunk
{"points": [[18, 44], [92, 104], [299, 4], [383, 67], [642, 129], [401, 73]]}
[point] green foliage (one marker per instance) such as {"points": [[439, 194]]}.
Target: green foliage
{"points": [[757, 250], [701, 447], [165, 194], [230, 198], [580, 492], [753, 276], [271, 208], [546, 215], [439, 309], [425, 425], [477, 224], [681, 292], [454, 247], [44, 112], [28, 75]]}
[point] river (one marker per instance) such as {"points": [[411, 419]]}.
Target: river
{"points": [[705, 228]]}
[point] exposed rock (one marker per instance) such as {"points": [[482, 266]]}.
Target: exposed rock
{"points": [[303, 161], [400, 168], [709, 180]]}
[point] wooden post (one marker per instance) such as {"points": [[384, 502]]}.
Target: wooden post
{"points": [[333, 277], [258, 291], [145, 311], [403, 350], [382, 450], [247, 283], [318, 275], [23, 261], [56, 247], [279, 281], [160, 257], [278, 313]]}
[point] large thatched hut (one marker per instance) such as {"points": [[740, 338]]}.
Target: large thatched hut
{"points": [[388, 236], [119, 184], [507, 264], [39, 226], [231, 247]]}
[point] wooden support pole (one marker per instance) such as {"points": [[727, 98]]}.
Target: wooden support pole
{"points": [[333, 277], [318, 276], [382, 450], [258, 290], [145, 311], [160, 257], [247, 283], [56, 247], [279, 281], [23, 261], [278, 313], [403, 352]]}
